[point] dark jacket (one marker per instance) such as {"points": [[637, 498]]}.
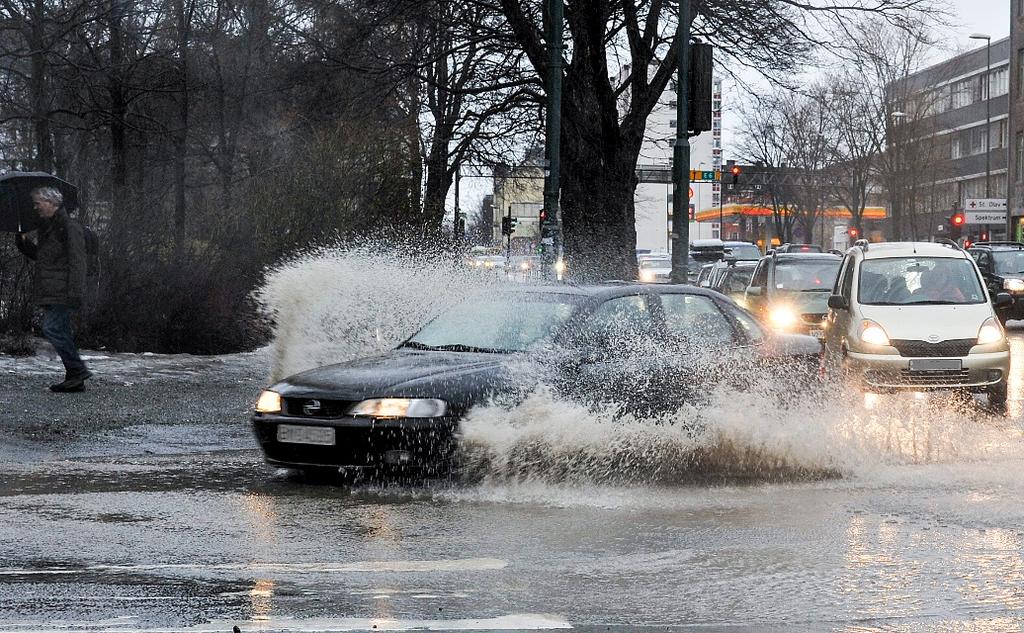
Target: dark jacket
{"points": [[60, 261]]}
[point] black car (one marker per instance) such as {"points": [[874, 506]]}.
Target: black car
{"points": [[1002, 266], [596, 343]]}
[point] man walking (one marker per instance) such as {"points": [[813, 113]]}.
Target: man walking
{"points": [[59, 253]]}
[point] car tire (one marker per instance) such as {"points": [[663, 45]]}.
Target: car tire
{"points": [[997, 394]]}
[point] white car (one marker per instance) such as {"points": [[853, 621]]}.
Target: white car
{"points": [[916, 315], [655, 269]]}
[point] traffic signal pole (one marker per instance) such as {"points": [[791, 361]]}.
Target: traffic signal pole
{"points": [[551, 227], [681, 152]]}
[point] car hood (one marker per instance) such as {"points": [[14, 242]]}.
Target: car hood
{"points": [[804, 302], [920, 323], [452, 376]]}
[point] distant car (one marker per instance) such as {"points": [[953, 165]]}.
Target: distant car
{"points": [[732, 277], [798, 248], [655, 269], [488, 262], [701, 253], [742, 251], [1002, 266], [631, 344], [916, 316], [789, 291], [704, 276]]}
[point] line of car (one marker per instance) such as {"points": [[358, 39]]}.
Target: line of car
{"points": [[888, 317]]}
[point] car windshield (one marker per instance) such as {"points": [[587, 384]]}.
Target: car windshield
{"points": [[812, 275], [1008, 262], [505, 323], [744, 251], [737, 279], [919, 280], [656, 263]]}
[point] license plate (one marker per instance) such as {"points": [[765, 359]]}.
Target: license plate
{"points": [[294, 434], [817, 333], [936, 364]]}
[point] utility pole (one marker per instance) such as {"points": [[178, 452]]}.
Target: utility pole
{"points": [[551, 227], [681, 152], [456, 226]]}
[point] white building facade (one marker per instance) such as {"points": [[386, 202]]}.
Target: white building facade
{"points": [[654, 200]]}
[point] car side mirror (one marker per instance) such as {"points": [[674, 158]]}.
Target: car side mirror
{"points": [[754, 291], [1003, 300], [838, 302]]}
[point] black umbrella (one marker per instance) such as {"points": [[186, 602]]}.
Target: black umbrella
{"points": [[16, 212]]}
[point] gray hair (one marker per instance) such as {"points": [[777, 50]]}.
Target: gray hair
{"points": [[50, 194]]}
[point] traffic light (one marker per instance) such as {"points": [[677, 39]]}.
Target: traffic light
{"points": [[508, 225], [460, 226], [735, 171], [956, 223], [853, 233]]}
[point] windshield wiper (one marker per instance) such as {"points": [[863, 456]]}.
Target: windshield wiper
{"points": [[459, 347], [418, 345], [934, 302], [817, 290]]}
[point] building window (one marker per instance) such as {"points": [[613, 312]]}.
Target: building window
{"points": [[1001, 134], [955, 150], [1019, 160], [1020, 73], [999, 82], [965, 92], [672, 123]]}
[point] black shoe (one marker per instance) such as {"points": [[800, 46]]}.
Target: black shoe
{"points": [[69, 386]]}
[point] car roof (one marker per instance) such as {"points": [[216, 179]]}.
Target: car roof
{"points": [[610, 289], [883, 250], [997, 246], [792, 257]]}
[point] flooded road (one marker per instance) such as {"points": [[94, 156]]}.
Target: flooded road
{"points": [[900, 514]]}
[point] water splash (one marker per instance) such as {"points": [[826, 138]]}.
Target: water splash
{"points": [[333, 304]]}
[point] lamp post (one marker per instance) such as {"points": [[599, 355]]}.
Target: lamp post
{"points": [[987, 86], [897, 164]]}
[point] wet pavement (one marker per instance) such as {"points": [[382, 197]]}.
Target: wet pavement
{"points": [[143, 505]]}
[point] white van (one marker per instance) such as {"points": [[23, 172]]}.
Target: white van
{"points": [[916, 315]]}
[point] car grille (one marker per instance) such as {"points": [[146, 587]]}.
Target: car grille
{"points": [[813, 319], [951, 377], [328, 408], [918, 378], [923, 349]]}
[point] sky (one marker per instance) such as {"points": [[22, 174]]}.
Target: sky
{"points": [[991, 17]]}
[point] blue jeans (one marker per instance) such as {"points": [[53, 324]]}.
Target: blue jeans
{"points": [[57, 330]]}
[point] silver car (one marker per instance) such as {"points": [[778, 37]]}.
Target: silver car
{"points": [[916, 316]]}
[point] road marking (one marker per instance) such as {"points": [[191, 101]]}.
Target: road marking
{"points": [[512, 622], [463, 564]]}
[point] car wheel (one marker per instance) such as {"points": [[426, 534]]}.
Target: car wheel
{"points": [[997, 394]]}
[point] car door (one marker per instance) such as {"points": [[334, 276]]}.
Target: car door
{"points": [[613, 351], [838, 319], [702, 347], [757, 290], [987, 267]]}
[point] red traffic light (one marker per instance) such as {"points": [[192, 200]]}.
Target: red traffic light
{"points": [[543, 215], [957, 219], [735, 171], [852, 232]]}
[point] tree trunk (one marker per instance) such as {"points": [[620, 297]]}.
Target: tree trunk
{"points": [[40, 109], [181, 131], [118, 114]]}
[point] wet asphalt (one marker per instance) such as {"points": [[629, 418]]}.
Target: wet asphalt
{"points": [[143, 505]]}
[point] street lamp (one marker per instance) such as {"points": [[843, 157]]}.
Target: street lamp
{"points": [[987, 85]]}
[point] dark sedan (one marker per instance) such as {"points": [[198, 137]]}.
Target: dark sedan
{"points": [[647, 347]]}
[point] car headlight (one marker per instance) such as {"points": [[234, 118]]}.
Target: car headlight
{"points": [[647, 276], [872, 333], [990, 332], [783, 317], [400, 408], [268, 402], [524, 266], [1013, 285]]}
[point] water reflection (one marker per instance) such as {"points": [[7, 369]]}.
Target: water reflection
{"points": [[261, 597]]}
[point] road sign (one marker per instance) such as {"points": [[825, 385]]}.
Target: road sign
{"points": [[691, 192], [985, 204], [985, 217], [697, 175]]}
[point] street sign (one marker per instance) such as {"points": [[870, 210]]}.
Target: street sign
{"points": [[985, 204], [697, 175], [691, 192], [985, 217]]}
